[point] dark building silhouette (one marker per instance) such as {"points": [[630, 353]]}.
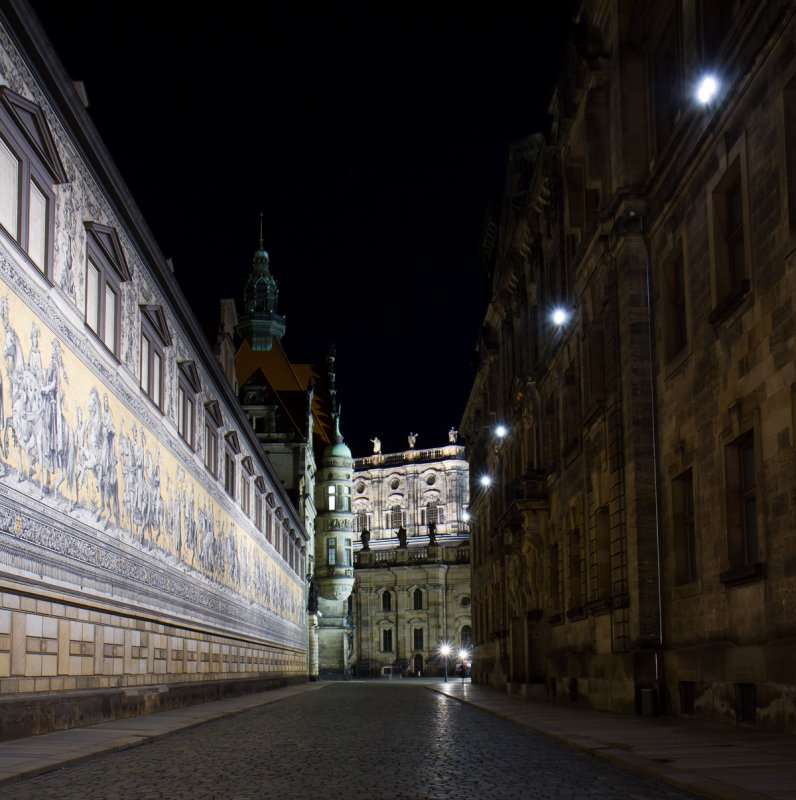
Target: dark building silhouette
{"points": [[634, 549]]}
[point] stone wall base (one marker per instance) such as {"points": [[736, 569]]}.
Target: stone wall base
{"points": [[28, 715]]}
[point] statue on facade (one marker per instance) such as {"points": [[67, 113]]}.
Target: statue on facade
{"points": [[364, 537], [412, 440], [376, 445], [402, 536], [453, 435], [312, 597], [432, 534]]}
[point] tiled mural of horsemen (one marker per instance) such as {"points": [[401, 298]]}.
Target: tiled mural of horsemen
{"points": [[36, 426], [76, 457]]}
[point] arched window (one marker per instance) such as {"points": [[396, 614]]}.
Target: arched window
{"points": [[418, 598], [386, 601], [467, 637]]}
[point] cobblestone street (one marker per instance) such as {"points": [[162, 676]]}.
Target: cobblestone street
{"points": [[348, 740]]}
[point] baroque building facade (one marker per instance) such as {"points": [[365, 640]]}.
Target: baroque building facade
{"points": [[149, 554], [412, 577], [634, 548]]}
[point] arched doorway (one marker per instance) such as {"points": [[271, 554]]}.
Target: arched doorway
{"points": [[418, 667]]}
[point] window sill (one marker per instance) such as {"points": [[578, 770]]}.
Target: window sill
{"points": [[729, 302], [682, 591], [598, 607], [748, 573]]}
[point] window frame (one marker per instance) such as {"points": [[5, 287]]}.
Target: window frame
{"points": [[155, 332], [26, 134], [246, 475], [231, 453], [212, 422], [743, 545], [105, 253], [189, 386], [684, 529], [729, 286]]}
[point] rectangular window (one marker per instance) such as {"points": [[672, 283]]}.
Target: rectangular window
{"points": [[157, 374], [111, 305], [154, 338], [93, 297], [244, 495], [146, 375], [9, 190], [229, 472], [728, 241], [258, 510], [417, 638], [683, 529], [386, 641], [349, 557], [211, 448], [37, 231], [331, 552], [575, 571], [188, 386], [676, 334], [106, 270], [555, 577], [332, 498], [603, 536], [741, 483]]}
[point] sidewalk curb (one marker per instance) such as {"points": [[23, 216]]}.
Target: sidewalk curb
{"points": [[130, 740], [695, 784]]}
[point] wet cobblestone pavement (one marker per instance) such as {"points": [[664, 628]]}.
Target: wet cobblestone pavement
{"points": [[349, 740]]}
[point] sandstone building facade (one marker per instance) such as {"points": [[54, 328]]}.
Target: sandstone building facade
{"points": [[148, 551], [412, 577], [635, 546]]}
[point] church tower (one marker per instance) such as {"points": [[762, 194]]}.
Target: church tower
{"points": [[334, 552], [259, 322]]}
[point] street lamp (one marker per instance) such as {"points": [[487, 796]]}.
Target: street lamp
{"points": [[560, 316], [486, 480], [463, 656], [445, 650]]}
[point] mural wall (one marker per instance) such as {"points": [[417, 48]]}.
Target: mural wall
{"points": [[123, 560]]}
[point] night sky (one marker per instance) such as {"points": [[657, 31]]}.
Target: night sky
{"points": [[373, 137]]}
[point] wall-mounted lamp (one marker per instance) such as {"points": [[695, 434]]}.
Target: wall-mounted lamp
{"points": [[707, 89]]}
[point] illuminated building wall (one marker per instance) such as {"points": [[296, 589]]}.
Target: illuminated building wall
{"points": [[634, 550], [412, 568], [144, 538]]}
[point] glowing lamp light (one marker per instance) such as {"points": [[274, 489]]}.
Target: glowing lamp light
{"points": [[501, 431], [445, 650], [466, 516], [707, 89], [486, 480], [463, 655], [560, 316]]}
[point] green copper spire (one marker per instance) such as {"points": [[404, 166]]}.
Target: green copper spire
{"points": [[260, 323]]}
